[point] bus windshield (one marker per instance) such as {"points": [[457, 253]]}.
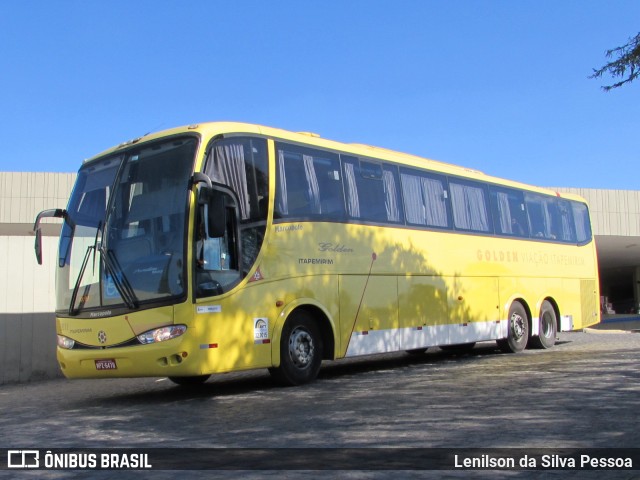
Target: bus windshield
{"points": [[123, 245]]}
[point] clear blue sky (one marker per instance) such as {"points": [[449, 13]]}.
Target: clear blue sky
{"points": [[500, 86]]}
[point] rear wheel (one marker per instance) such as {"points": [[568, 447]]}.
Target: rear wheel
{"points": [[518, 335], [300, 350], [548, 327]]}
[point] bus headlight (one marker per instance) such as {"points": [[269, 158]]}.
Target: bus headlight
{"points": [[65, 342], [162, 334]]}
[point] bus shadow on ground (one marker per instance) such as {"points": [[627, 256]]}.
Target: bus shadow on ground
{"points": [[259, 382]]}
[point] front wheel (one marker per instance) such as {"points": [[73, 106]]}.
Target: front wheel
{"points": [[548, 327], [300, 351], [518, 334]]}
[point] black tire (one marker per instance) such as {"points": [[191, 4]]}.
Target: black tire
{"points": [[300, 350], [190, 381], [547, 327], [518, 335]]}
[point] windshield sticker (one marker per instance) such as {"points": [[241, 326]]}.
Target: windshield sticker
{"points": [[208, 309], [110, 290], [261, 330], [256, 276]]}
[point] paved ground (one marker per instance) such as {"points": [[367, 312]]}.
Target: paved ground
{"points": [[583, 393]]}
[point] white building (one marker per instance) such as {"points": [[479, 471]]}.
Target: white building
{"points": [[27, 290]]}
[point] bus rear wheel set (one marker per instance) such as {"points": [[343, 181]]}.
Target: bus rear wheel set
{"points": [[518, 329]]}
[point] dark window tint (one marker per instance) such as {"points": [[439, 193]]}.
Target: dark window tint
{"points": [[469, 206], [509, 214], [581, 222], [309, 183], [566, 227], [425, 199], [241, 164], [371, 191], [544, 216]]}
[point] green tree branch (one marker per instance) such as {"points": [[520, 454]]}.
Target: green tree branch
{"points": [[626, 64]]}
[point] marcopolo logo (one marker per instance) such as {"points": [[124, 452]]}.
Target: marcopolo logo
{"points": [[23, 459]]}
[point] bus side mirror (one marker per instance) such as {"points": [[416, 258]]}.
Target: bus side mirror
{"points": [[38, 246], [57, 213], [213, 207], [216, 214]]}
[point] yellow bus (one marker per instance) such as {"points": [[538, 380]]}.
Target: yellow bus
{"points": [[226, 246]]}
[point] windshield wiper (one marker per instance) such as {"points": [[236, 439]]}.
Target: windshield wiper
{"points": [[76, 287], [111, 264], [119, 279], [83, 267], [113, 268]]}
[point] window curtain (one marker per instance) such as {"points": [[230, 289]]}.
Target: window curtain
{"points": [[414, 205], [548, 221], [312, 184], [229, 169], [353, 202], [424, 201], [282, 202], [434, 197], [469, 209], [391, 197], [504, 211]]}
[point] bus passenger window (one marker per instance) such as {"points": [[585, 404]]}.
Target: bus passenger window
{"points": [[241, 164], [566, 226], [309, 184], [469, 206], [425, 198], [371, 191], [581, 221], [544, 216], [509, 214]]}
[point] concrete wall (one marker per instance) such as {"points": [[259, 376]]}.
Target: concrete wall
{"points": [[27, 290], [27, 347], [24, 194]]}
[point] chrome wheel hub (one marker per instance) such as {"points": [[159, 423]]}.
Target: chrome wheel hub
{"points": [[301, 348]]}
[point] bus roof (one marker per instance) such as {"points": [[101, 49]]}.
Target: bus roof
{"points": [[315, 140]]}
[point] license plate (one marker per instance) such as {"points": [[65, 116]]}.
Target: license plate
{"points": [[107, 364]]}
